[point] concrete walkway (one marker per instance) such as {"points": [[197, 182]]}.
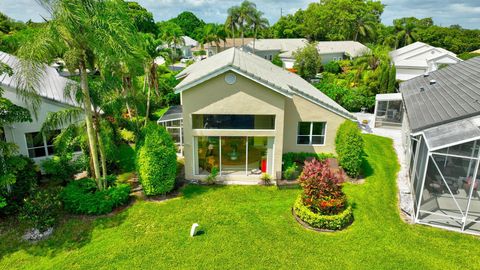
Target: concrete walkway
{"points": [[405, 197]]}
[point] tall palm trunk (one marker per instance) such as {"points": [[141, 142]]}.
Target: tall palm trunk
{"points": [[101, 148], [233, 35], [254, 38], [243, 37], [145, 80], [92, 138]]}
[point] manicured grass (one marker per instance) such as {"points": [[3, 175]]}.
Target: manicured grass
{"points": [[250, 228]]}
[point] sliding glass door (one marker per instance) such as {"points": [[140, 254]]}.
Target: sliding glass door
{"points": [[233, 155]]}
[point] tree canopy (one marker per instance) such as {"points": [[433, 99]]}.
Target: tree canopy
{"points": [[189, 23]]}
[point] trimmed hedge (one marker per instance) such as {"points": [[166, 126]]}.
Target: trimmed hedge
{"points": [[299, 157], [327, 222], [83, 197], [349, 146], [156, 160]]}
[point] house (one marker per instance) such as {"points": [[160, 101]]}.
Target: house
{"points": [[419, 58], [240, 113], [213, 48], [27, 135], [442, 137], [187, 46], [285, 48], [388, 111]]}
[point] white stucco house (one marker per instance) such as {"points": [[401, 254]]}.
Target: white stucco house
{"points": [[419, 58], [285, 48], [27, 135]]}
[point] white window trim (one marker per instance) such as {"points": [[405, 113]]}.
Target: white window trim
{"points": [[45, 146], [311, 134]]}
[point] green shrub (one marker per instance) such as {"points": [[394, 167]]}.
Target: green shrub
{"points": [[277, 61], [83, 197], [127, 135], [62, 168], [156, 160], [266, 178], [291, 173], [328, 222], [291, 158], [349, 146], [332, 67], [210, 179], [25, 173], [42, 209]]}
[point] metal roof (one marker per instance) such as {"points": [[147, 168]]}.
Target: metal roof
{"points": [[261, 70], [389, 96], [452, 134], [50, 86], [173, 113], [454, 95]]}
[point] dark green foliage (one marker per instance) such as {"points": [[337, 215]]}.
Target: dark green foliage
{"points": [[83, 197], [25, 173], [467, 55], [189, 24], [351, 99], [291, 172], [332, 67], [142, 18], [291, 158], [328, 222], [277, 61], [62, 168], [42, 209], [156, 160], [349, 146], [392, 81], [126, 158], [384, 76]]}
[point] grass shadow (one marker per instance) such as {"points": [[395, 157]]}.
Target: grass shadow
{"points": [[72, 232], [191, 191], [367, 169]]}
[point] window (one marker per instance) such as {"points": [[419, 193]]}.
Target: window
{"points": [[40, 146], [231, 121], [311, 133], [270, 57]]}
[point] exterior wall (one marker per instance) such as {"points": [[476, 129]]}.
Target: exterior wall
{"points": [[328, 57], [268, 55], [245, 96], [405, 73], [15, 132], [299, 109]]}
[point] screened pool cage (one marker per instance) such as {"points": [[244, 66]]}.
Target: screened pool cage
{"points": [[172, 120], [388, 110], [444, 174]]}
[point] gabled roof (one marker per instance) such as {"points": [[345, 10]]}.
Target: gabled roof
{"points": [[420, 54], [189, 42], [259, 70], [454, 95], [51, 86], [349, 47], [278, 44]]}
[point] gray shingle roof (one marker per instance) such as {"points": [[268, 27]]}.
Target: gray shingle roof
{"points": [[455, 95], [51, 85], [257, 68], [173, 113]]}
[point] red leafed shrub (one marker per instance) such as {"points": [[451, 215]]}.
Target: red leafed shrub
{"points": [[322, 188]]}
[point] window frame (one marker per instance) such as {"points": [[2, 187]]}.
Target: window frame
{"points": [[45, 146], [311, 135]]}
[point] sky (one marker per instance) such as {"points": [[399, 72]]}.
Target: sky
{"points": [[444, 12]]}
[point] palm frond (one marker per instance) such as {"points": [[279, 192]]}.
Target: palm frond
{"points": [[60, 119]]}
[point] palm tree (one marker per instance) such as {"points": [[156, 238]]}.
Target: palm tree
{"points": [[245, 13], [173, 35], [365, 27], [213, 33], [258, 23], [231, 22], [86, 33], [406, 32]]}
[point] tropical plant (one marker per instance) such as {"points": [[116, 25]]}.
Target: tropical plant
{"points": [[266, 178], [322, 188], [257, 23], [88, 34], [212, 177], [406, 32], [213, 33], [41, 209]]}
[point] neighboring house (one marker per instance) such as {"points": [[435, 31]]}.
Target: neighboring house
{"points": [[241, 113], [211, 48], [285, 48], [442, 138], [27, 135], [189, 44], [419, 58]]}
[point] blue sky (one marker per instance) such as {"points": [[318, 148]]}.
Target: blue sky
{"points": [[444, 12]]}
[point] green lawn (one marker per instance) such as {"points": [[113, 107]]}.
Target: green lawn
{"points": [[250, 228]]}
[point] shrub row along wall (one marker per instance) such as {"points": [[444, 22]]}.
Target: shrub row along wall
{"points": [[156, 160], [349, 146]]}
